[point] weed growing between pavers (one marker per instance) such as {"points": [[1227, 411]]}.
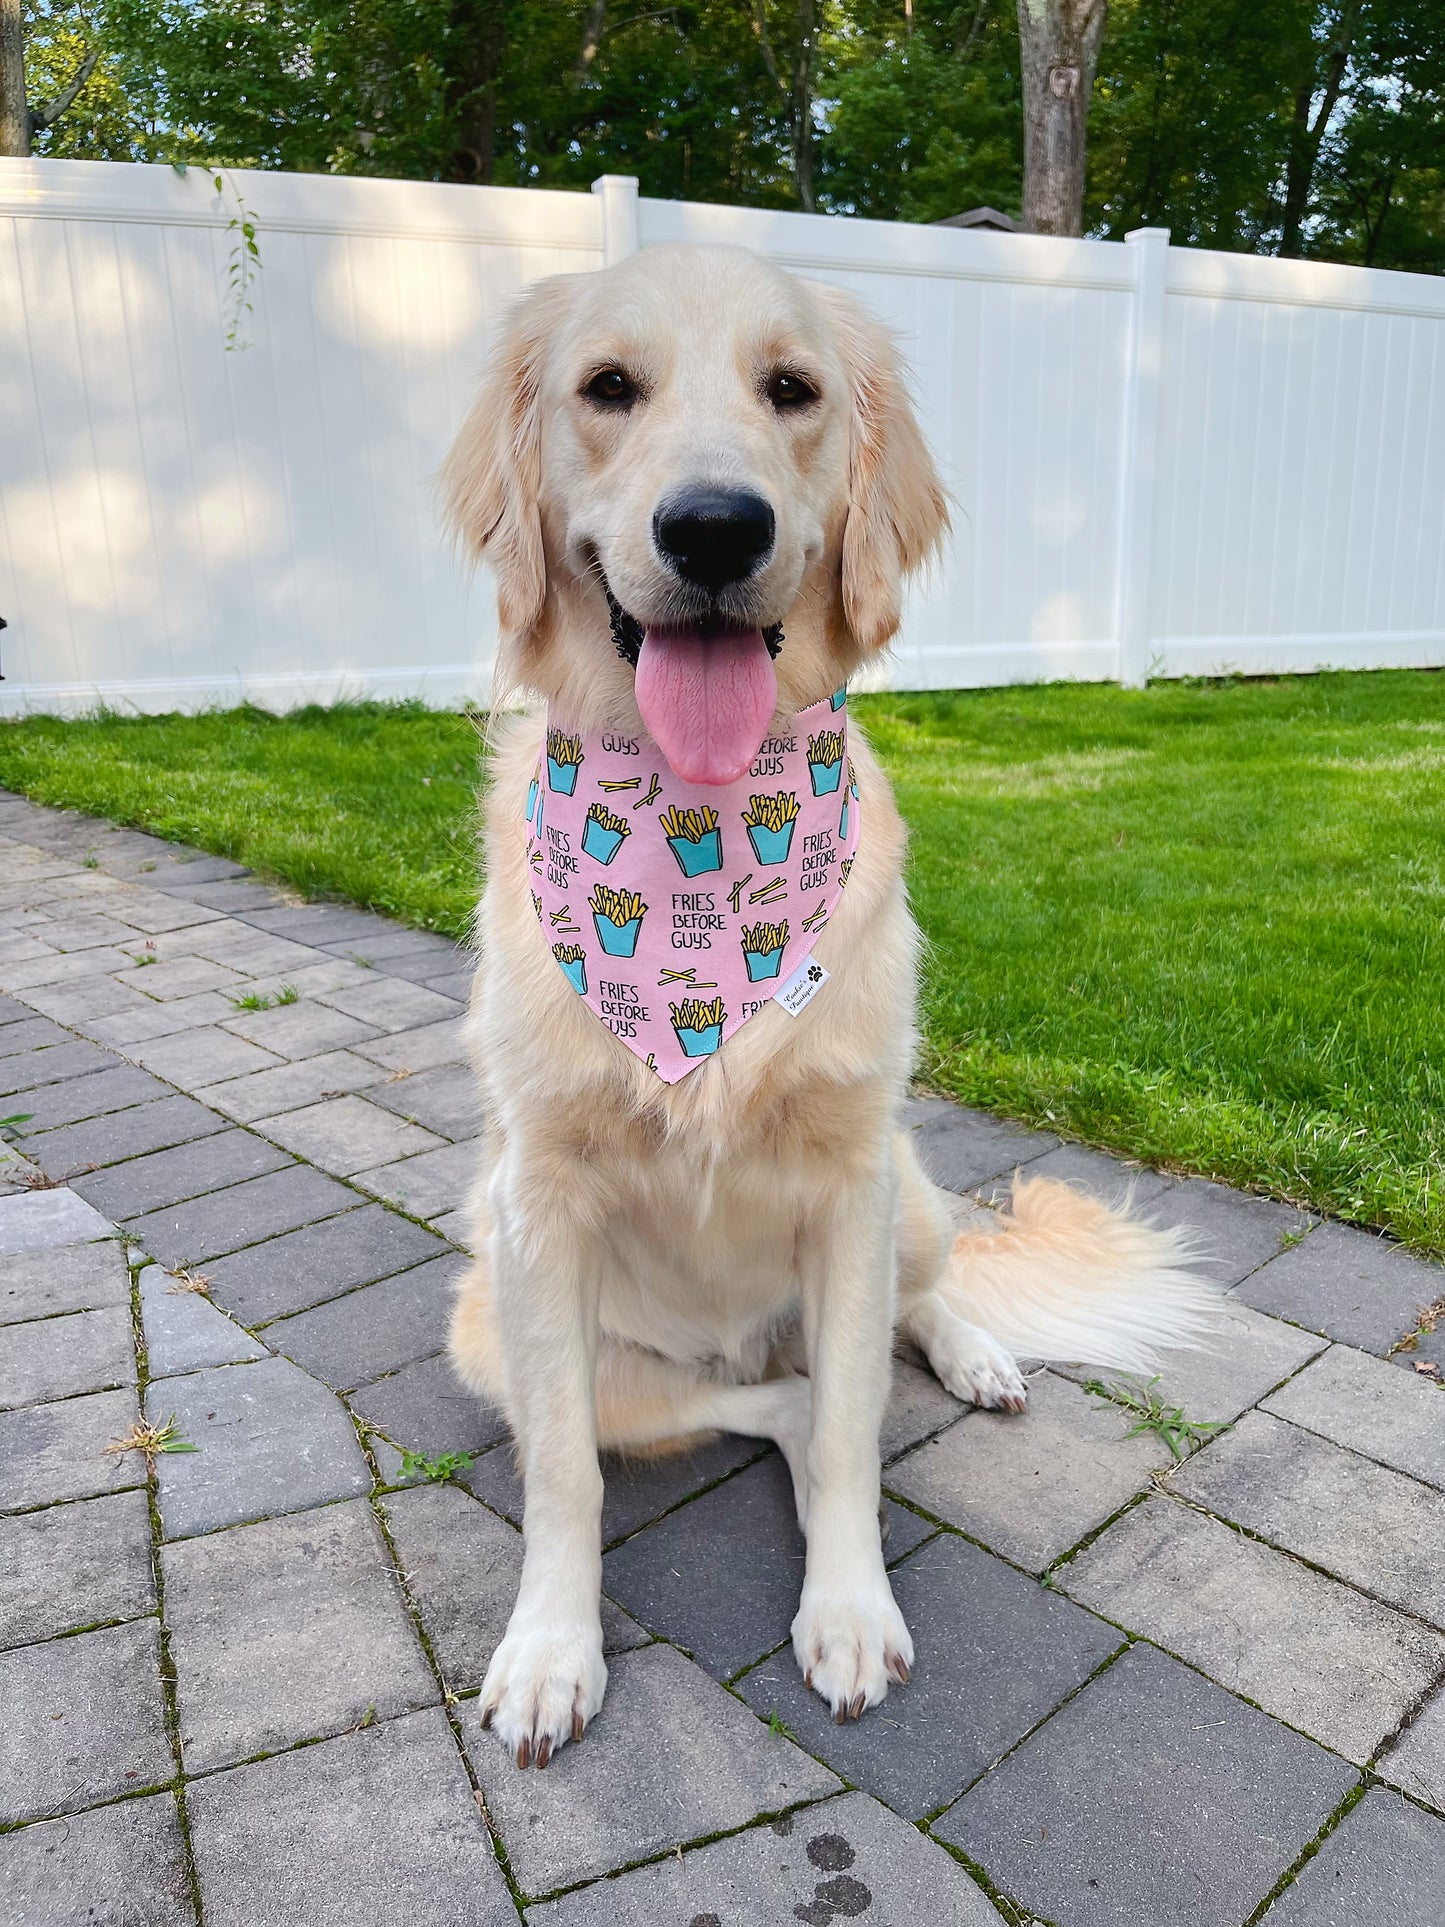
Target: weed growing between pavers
{"points": [[1167, 1422]]}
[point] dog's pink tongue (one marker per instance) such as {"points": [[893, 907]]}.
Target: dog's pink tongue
{"points": [[707, 700]]}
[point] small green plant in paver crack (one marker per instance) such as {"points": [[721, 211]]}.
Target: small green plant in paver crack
{"points": [[151, 1440], [146, 956], [10, 1126], [416, 1465], [90, 861], [1167, 1422], [779, 1727], [264, 1000]]}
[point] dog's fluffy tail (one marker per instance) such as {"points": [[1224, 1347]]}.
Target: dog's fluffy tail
{"points": [[1068, 1277]]}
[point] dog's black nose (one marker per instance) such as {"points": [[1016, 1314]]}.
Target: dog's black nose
{"points": [[714, 536]]}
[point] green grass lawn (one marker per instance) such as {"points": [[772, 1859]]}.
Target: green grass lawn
{"points": [[1203, 924]]}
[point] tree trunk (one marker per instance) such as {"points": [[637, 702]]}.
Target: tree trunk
{"points": [[478, 27], [1307, 133], [1059, 44], [14, 109], [803, 107]]}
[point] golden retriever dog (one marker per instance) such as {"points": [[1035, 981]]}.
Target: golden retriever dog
{"points": [[737, 1249]]}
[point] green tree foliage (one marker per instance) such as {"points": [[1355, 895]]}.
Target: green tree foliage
{"points": [[1309, 126]]}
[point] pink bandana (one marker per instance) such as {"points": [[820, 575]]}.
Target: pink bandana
{"points": [[679, 910]]}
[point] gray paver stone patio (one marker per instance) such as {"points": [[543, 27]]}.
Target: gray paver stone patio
{"points": [[1138, 1791], [1247, 1356], [243, 1214], [1384, 1862], [461, 1565], [82, 1720], [74, 1565], [67, 1277], [426, 1185], [1361, 1402], [444, 1099], [1362, 1522], [116, 1866], [368, 1830], [288, 1630], [186, 1171], [356, 1338], [963, 1149], [288, 1088], [1340, 1667], [103, 1141], [300, 1030], [969, 1699], [85, 1097], [50, 1452], [184, 1333], [721, 1576], [670, 1758], [1348, 1284], [84, 1351], [268, 1440], [421, 1049], [1031, 1486], [307, 1266], [391, 1003], [425, 1408], [1417, 1760], [1153, 1797], [833, 1862], [634, 1491], [39, 1220]]}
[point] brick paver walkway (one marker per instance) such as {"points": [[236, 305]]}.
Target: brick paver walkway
{"points": [[244, 1686]]}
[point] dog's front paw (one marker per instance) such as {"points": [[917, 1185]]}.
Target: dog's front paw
{"points": [[850, 1645], [977, 1369], [544, 1684]]}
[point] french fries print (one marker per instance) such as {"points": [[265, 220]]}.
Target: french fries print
{"points": [[770, 822], [617, 918], [694, 838], [698, 1025], [763, 946], [564, 759]]}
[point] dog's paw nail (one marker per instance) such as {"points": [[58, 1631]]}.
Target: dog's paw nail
{"points": [[544, 1753], [487, 1712], [898, 1669], [524, 1754], [840, 1714], [855, 1706], [579, 1725]]}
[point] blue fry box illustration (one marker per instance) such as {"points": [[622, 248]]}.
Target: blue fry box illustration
{"points": [[600, 842], [763, 963], [695, 860], [562, 776], [617, 939], [532, 789], [826, 777], [576, 975], [838, 697], [700, 1043], [771, 846]]}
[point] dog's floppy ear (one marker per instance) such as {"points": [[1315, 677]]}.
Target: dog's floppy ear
{"points": [[491, 480], [897, 510]]}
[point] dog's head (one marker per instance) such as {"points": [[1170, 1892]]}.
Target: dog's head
{"points": [[719, 449]]}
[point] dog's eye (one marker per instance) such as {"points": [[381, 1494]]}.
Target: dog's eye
{"points": [[787, 390], [612, 387]]}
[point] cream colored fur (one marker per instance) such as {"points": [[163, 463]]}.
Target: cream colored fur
{"points": [[735, 1251]]}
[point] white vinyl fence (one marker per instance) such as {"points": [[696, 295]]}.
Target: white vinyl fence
{"points": [[1164, 461]]}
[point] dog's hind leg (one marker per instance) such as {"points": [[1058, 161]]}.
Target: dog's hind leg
{"points": [[973, 1366], [644, 1401]]}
